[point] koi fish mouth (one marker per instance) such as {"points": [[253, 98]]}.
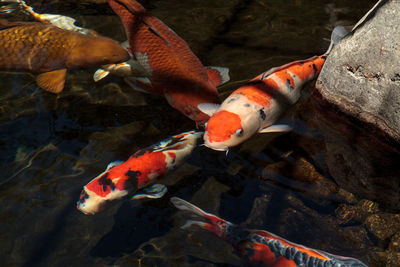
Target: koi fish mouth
{"points": [[216, 147], [78, 206]]}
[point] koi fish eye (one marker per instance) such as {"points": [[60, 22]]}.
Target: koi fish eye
{"points": [[239, 132]]}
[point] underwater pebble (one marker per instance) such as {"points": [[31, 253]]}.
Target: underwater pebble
{"points": [[358, 213], [383, 225]]}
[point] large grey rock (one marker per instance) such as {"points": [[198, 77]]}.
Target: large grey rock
{"points": [[357, 108], [362, 75]]}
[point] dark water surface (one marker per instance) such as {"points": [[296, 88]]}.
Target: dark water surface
{"points": [[52, 145]]}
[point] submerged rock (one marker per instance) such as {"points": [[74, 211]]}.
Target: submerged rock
{"points": [[356, 103], [356, 214], [361, 76]]}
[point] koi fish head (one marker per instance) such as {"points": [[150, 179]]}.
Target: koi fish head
{"points": [[96, 51], [230, 124], [103, 189], [223, 130]]}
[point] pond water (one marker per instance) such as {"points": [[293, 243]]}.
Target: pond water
{"points": [[52, 145]]}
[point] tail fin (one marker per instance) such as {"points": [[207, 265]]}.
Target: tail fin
{"points": [[204, 220], [338, 33]]}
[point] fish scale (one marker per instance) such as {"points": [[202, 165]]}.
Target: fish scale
{"points": [[34, 47]]}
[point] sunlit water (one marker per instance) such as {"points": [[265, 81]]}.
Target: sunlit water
{"points": [[52, 145]]}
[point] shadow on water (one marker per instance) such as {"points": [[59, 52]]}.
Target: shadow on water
{"points": [[53, 238], [129, 230]]}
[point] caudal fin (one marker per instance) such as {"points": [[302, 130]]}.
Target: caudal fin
{"points": [[202, 219], [338, 33]]}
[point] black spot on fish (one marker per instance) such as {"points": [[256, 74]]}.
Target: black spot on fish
{"points": [[105, 182], [262, 114], [289, 85], [133, 181], [315, 68], [247, 105], [83, 196], [231, 100]]}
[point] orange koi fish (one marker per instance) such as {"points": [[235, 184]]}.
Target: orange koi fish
{"points": [[255, 106], [262, 248], [49, 50], [142, 169], [173, 70]]}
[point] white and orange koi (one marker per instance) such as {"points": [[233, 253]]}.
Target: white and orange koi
{"points": [[259, 247], [144, 168], [255, 106], [63, 22]]}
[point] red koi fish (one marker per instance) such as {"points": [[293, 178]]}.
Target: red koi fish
{"points": [[262, 248], [143, 168], [255, 106], [172, 68]]}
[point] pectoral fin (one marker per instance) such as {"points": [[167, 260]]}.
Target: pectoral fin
{"points": [[276, 128], [154, 191], [100, 74], [52, 81], [208, 108]]}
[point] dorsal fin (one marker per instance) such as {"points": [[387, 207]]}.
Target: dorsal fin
{"points": [[275, 69]]}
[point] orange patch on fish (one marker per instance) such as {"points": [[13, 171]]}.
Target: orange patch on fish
{"points": [[116, 177], [285, 77], [256, 94], [258, 253], [222, 125]]}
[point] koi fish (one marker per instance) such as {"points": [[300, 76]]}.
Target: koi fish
{"points": [[255, 106], [259, 247], [174, 71], [43, 48], [63, 22], [145, 167]]}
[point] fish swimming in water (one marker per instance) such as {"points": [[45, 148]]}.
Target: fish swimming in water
{"points": [[63, 22], [255, 106], [173, 70], [259, 247], [145, 167], [48, 50]]}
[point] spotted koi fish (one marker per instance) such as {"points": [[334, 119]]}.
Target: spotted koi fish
{"points": [[262, 248], [255, 106], [173, 70], [145, 167]]}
